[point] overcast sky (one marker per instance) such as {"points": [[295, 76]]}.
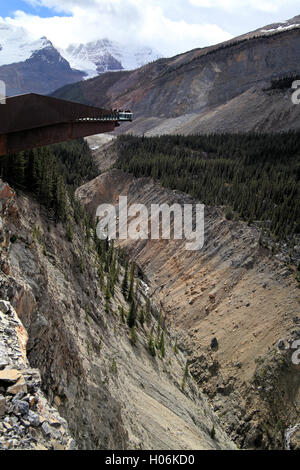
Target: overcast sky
{"points": [[169, 26]]}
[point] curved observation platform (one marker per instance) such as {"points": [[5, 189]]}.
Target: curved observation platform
{"points": [[32, 120]]}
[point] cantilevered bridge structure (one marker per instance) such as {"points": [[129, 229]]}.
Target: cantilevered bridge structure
{"points": [[31, 120]]}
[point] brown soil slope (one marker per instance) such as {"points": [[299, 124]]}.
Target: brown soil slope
{"points": [[216, 89], [113, 394], [232, 290]]}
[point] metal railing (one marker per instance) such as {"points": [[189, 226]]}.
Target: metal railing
{"points": [[112, 118]]}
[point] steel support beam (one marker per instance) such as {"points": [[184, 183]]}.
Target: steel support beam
{"points": [[46, 135]]}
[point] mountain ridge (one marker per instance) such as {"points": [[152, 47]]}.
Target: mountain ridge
{"points": [[29, 65], [103, 55], [36, 65], [205, 90]]}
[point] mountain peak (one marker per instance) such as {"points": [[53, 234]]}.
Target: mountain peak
{"points": [[274, 28], [44, 68], [104, 55], [17, 45]]}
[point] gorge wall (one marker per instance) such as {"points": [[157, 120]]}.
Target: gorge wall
{"points": [[107, 392], [234, 291]]}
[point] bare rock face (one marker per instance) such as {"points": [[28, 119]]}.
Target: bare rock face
{"points": [[39, 290], [27, 421], [295, 440], [223, 88], [112, 393], [230, 304]]}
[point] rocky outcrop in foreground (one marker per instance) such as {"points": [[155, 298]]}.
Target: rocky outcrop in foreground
{"points": [[27, 421]]}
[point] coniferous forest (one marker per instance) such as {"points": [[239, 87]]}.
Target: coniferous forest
{"points": [[50, 173], [256, 176]]}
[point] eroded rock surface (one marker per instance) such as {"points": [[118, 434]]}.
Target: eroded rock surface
{"points": [[230, 304], [27, 421], [222, 88], [113, 394]]}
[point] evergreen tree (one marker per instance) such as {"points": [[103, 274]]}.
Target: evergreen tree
{"points": [[162, 345], [148, 310], [133, 337], [122, 314], [107, 296], [142, 317], [131, 287], [185, 376], [151, 346], [125, 281], [131, 319], [69, 233]]}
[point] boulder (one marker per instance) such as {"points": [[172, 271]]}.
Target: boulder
{"points": [[19, 386], [9, 375], [2, 405]]}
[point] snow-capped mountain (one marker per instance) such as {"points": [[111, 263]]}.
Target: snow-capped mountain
{"points": [[286, 25], [271, 29], [16, 45], [105, 55], [32, 65], [35, 65]]}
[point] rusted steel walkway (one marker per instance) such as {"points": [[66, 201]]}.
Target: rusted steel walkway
{"points": [[31, 120]]}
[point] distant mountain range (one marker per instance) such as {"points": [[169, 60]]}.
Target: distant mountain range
{"points": [[28, 65], [106, 56], [239, 85]]}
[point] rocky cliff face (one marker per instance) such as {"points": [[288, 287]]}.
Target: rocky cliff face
{"points": [[27, 421], [220, 88], [230, 305], [112, 393]]}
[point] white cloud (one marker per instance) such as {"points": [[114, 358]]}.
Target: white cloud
{"points": [[127, 21], [232, 5], [170, 26]]}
